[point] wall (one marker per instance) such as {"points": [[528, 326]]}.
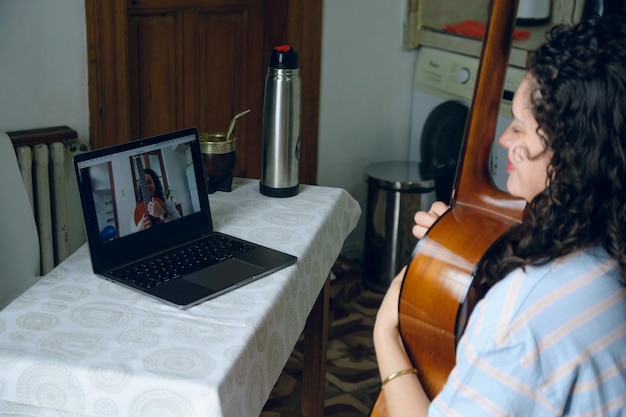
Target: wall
{"points": [[43, 69], [365, 96], [365, 83], [43, 76]]}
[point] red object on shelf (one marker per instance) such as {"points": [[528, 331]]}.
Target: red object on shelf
{"points": [[474, 29]]}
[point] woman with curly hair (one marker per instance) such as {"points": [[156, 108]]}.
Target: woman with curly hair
{"points": [[159, 207], [549, 337]]}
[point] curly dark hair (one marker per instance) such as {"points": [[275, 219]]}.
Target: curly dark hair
{"points": [[158, 188], [578, 97]]}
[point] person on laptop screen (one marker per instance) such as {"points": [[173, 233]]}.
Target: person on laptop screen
{"points": [[153, 208], [125, 185]]}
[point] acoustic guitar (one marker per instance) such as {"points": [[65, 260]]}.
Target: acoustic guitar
{"points": [[142, 207], [438, 291]]}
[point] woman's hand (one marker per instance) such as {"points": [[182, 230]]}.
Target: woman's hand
{"points": [[403, 396], [156, 209], [425, 219], [387, 316], [144, 223]]}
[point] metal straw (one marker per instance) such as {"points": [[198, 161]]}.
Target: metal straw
{"points": [[232, 122]]}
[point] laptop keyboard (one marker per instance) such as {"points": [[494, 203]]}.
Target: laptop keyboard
{"points": [[163, 268]]}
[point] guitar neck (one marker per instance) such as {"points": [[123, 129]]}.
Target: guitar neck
{"points": [[143, 185], [474, 186]]}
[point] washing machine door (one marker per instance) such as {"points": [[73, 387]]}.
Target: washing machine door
{"points": [[442, 137]]}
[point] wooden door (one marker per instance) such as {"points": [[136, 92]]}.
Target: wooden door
{"points": [[161, 65]]}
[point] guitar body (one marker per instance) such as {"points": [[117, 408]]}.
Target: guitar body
{"points": [[438, 291], [142, 210]]}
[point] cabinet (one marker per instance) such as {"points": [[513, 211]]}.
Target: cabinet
{"points": [[189, 63], [161, 65], [103, 200], [425, 19], [103, 193]]}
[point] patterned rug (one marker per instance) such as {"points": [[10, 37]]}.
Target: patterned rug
{"points": [[352, 381]]}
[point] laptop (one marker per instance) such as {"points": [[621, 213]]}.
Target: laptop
{"points": [[148, 222]]}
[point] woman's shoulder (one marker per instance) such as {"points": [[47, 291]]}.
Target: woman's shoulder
{"points": [[556, 326], [584, 268], [543, 298]]}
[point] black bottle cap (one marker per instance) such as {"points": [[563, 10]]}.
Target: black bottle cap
{"points": [[284, 57]]}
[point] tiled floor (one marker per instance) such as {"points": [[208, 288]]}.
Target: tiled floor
{"points": [[352, 381]]}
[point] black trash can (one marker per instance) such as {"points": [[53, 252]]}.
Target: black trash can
{"points": [[395, 192]]}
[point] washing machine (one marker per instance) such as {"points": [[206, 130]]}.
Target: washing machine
{"points": [[443, 88]]}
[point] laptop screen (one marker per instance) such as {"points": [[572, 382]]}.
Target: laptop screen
{"points": [[142, 196]]}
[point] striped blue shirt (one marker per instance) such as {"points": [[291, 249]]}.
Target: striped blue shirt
{"points": [[550, 341]]}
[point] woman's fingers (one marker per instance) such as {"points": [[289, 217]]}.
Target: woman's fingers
{"points": [[425, 219]]}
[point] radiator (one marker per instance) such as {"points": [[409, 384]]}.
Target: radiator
{"points": [[44, 156]]}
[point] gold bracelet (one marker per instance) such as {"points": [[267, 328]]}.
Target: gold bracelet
{"points": [[399, 373]]}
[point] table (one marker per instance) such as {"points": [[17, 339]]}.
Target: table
{"points": [[77, 345]]}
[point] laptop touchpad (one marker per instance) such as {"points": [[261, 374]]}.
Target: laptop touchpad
{"points": [[224, 274]]}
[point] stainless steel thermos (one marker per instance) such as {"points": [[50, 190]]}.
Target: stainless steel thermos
{"points": [[281, 124]]}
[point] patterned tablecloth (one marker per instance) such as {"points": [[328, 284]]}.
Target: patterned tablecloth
{"points": [[77, 345]]}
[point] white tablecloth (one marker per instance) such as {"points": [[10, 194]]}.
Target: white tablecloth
{"points": [[77, 345]]}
